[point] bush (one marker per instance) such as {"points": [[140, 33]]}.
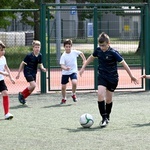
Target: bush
{"points": [[15, 55]]}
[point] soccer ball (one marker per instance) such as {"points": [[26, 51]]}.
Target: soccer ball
{"points": [[86, 120]]}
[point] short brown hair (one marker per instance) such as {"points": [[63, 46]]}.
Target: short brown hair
{"points": [[36, 42], [103, 37], [2, 44], [67, 41]]}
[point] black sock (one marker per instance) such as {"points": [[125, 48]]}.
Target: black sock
{"points": [[108, 109], [102, 109]]}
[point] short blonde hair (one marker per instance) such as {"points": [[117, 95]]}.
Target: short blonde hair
{"points": [[2, 44], [36, 42]]}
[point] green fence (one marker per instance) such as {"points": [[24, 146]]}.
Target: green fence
{"points": [[83, 23], [126, 24]]}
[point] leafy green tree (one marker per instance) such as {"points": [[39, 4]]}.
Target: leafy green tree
{"points": [[33, 18], [27, 17], [6, 16]]}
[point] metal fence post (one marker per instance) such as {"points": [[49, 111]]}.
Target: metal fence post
{"points": [[43, 45], [95, 46], [147, 44]]}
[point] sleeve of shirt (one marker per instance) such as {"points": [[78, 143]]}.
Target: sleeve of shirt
{"points": [[62, 60], [77, 52], [95, 53], [4, 59], [40, 59], [26, 59], [118, 56]]}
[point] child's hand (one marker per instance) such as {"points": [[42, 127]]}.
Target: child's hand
{"points": [[81, 71], [6, 74], [17, 77], [143, 76], [43, 69], [12, 80], [67, 68], [134, 80]]}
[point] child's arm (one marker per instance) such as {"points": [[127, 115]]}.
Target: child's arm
{"points": [[9, 74], [42, 67], [83, 57], [20, 69], [88, 61], [126, 67], [64, 67], [4, 73]]}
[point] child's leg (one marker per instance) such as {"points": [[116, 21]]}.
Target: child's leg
{"points": [[108, 109], [8, 115], [101, 105], [102, 110], [73, 78], [5, 102], [101, 101], [27, 91], [63, 91], [64, 81], [74, 86], [109, 103]]}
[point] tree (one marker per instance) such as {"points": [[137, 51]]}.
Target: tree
{"points": [[33, 18], [6, 16], [28, 17]]}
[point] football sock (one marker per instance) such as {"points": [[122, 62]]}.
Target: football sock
{"points": [[26, 92], [108, 108], [102, 110], [6, 104]]}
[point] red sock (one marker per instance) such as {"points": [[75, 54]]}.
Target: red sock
{"points": [[26, 93], [6, 104]]}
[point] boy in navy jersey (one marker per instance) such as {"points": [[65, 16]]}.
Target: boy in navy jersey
{"points": [[4, 71], [107, 75], [29, 66]]}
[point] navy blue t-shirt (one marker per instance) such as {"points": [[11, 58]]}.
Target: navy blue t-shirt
{"points": [[107, 62], [32, 62]]}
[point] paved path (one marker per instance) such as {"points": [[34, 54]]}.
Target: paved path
{"points": [[120, 47], [85, 82]]}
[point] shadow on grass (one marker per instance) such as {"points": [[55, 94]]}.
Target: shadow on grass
{"points": [[141, 125], [2, 119], [19, 106], [57, 105], [81, 129]]}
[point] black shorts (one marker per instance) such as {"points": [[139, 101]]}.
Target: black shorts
{"points": [[30, 78], [3, 86], [65, 78], [110, 85]]}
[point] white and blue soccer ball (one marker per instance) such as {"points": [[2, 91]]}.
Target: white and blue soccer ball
{"points": [[86, 120]]}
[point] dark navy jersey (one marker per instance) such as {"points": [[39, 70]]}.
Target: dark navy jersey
{"points": [[107, 62], [32, 62]]}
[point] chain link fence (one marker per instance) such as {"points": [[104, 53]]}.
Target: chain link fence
{"points": [[123, 27]]}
